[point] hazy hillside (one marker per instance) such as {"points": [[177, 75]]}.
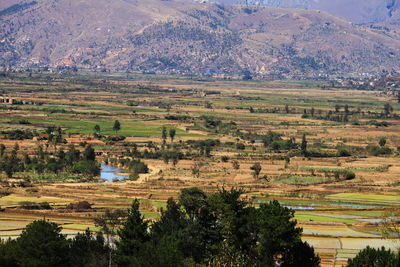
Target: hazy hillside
{"points": [[357, 11], [185, 37]]}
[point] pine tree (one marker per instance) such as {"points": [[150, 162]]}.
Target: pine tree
{"points": [[132, 235]]}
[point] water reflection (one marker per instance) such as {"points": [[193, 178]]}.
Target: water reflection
{"points": [[111, 173]]}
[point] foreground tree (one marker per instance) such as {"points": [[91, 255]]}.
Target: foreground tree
{"points": [[88, 250], [132, 235], [41, 244]]}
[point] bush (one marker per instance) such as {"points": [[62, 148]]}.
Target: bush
{"points": [[81, 205], [224, 158], [343, 153], [28, 205], [115, 138], [378, 151], [240, 146], [349, 175]]}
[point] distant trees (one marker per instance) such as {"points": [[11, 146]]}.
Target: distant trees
{"points": [[97, 129], [164, 135], [72, 161], [303, 146], [371, 257], [382, 142], [116, 126], [172, 133], [388, 109], [256, 168], [235, 165]]}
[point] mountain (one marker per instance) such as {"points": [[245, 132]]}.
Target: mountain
{"points": [[356, 11], [187, 37]]}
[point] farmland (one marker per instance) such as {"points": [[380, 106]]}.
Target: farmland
{"points": [[331, 154]]}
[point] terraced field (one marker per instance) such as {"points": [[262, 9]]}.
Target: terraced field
{"points": [[339, 187]]}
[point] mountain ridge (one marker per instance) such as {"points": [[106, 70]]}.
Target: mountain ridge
{"points": [[356, 11], [186, 37]]}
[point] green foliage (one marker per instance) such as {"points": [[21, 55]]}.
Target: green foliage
{"points": [[88, 168], [20, 134], [41, 244], [378, 151], [220, 229], [371, 257], [304, 145], [256, 168], [116, 126], [88, 250], [132, 235]]}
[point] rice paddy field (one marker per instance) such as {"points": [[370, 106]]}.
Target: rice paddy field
{"points": [[339, 216]]}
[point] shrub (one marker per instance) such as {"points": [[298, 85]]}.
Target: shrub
{"points": [[79, 206], [28, 205], [224, 158], [343, 153], [349, 175], [240, 146]]}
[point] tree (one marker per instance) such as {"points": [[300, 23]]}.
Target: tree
{"points": [[304, 145], [171, 222], [346, 109], [42, 244], [192, 199], [278, 233], [337, 108], [89, 153], [2, 150], [287, 109], [235, 165], [132, 235], [388, 109], [117, 126], [371, 257], [301, 254], [247, 75], [256, 168], [382, 141], [164, 135], [96, 128], [88, 168], [109, 222], [172, 133], [238, 228], [58, 137], [88, 250]]}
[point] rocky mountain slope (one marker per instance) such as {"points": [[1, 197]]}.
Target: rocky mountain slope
{"points": [[187, 37], [356, 11]]}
